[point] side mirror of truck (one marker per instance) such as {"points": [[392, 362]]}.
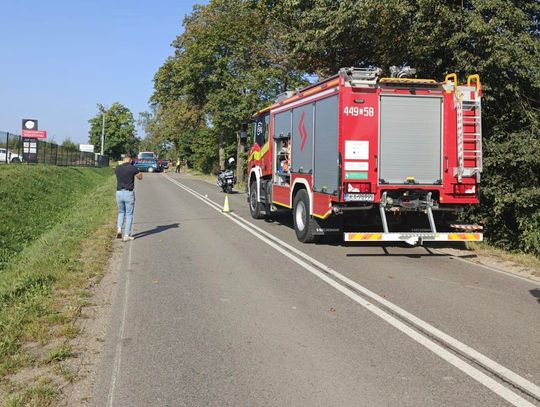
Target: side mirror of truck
{"points": [[243, 137], [243, 133]]}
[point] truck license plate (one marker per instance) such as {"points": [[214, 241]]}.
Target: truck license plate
{"points": [[359, 197]]}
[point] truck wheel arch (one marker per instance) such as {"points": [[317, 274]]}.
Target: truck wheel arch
{"points": [[299, 184], [255, 176]]}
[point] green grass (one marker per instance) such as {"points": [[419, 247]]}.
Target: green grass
{"points": [[38, 396], [523, 259], [59, 354], [64, 245], [34, 198]]}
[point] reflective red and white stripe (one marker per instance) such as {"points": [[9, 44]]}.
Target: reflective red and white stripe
{"points": [[467, 227]]}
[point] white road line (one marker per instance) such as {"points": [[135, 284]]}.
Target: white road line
{"points": [[469, 352], [118, 353]]}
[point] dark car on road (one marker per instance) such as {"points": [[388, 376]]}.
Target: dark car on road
{"points": [[147, 165], [164, 164]]}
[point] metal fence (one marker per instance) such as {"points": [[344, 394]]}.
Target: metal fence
{"points": [[11, 151]]}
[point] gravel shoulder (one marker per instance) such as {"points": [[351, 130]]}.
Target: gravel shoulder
{"points": [[93, 325]]}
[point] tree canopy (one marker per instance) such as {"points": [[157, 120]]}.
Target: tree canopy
{"points": [[235, 56], [120, 133], [69, 144]]}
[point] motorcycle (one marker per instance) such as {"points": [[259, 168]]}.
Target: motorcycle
{"points": [[226, 179]]}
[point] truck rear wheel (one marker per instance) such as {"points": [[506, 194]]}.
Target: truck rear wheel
{"points": [[303, 223], [255, 208]]}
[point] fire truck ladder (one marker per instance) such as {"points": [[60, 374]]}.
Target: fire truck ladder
{"points": [[469, 132]]}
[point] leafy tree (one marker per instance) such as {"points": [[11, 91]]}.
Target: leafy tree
{"points": [[120, 133], [70, 145], [220, 74], [500, 40], [170, 127]]}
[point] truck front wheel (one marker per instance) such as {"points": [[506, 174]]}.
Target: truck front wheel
{"points": [[255, 208], [303, 223]]}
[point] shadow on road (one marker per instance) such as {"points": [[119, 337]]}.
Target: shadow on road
{"points": [[536, 294], [157, 229], [385, 253]]}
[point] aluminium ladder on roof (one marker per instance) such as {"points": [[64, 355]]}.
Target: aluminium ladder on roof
{"points": [[469, 133]]}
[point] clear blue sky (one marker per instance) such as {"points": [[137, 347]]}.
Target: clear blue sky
{"points": [[59, 58]]}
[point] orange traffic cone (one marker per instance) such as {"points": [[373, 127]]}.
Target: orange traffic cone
{"points": [[226, 205]]}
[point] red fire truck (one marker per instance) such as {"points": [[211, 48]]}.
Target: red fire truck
{"points": [[370, 157]]}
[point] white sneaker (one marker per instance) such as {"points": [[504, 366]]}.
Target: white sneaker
{"points": [[127, 238]]}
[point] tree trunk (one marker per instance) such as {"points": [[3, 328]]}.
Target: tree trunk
{"points": [[239, 159], [221, 152]]}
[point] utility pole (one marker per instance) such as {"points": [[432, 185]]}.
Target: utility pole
{"points": [[102, 129]]}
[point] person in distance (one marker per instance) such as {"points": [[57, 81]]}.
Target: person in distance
{"points": [[125, 196]]}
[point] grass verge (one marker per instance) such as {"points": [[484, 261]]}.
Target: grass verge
{"points": [[522, 259], [43, 289], [34, 198]]}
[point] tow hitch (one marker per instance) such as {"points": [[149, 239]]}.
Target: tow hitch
{"points": [[414, 241]]}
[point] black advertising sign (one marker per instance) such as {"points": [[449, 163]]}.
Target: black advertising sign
{"points": [[30, 144]]}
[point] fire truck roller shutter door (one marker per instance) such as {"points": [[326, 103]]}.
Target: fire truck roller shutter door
{"points": [[282, 124], [302, 139], [282, 134], [325, 171], [410, 139]]}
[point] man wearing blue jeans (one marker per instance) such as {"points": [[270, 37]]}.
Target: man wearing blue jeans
{"points": [[125, 196]]}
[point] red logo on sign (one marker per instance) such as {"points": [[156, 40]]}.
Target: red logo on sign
{"points": [[303, 132], [34, 134]]}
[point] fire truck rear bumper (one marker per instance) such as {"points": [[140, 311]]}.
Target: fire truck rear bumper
{"points": [[414, 239]]}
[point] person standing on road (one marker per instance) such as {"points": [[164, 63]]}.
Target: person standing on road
{"points": [[125, 196], [178, 165]]}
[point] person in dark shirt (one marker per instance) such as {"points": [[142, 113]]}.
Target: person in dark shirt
{"points": [[125, 196]]}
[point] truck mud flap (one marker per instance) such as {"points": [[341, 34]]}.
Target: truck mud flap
{"points": [[327, 227]]}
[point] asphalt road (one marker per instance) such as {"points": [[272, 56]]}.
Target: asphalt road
{"points": [[224, 310]]}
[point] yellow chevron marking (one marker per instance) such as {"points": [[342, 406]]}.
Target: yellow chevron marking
{"points": [[257, 155], [265, 148], [365, 236], [463, 236], [327, 214], [281, 204]]}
